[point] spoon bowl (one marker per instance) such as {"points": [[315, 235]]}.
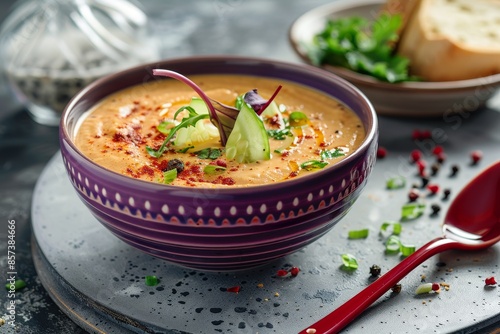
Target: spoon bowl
{"points": [[471, 223]]}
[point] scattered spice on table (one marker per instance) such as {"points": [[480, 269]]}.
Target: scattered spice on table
{"points": [[396, 288], [381, 152], [454, 170], [413, 195], [151, 280]]}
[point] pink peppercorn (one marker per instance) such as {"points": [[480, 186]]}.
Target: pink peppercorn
{"points": [[413, 195], [437, 150], [294, 271], [282, 273], [381, 152], [436, 287], [415, 155], [476, 156], [433, 188], [421, 164], [490, 281]]}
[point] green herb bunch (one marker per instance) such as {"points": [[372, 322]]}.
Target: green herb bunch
{"points": [[363, 46]]}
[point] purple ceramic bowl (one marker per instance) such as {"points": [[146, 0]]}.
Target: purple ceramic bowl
{"points": [[220, 229]]}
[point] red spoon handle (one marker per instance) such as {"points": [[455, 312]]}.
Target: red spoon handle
{"points": [[338, 319]]}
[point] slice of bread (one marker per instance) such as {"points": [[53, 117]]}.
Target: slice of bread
{"points": [[449, 40]]}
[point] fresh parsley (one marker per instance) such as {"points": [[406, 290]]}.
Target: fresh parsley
{"points": [[363, 46]]}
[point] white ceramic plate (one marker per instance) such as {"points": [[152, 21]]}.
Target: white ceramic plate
{"points": [[412, 99]]}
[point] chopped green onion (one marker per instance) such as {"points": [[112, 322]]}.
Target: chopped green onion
{"points": [[358, 234], [349, 261], [407, 250], [297, 119], [396, 227], [393, 245], [330, 154], [313, 164], [396, 182], [412, 211], [209, 153], [169, 176], [18, 285], [151, 280], [211, 169], [423, 288]]}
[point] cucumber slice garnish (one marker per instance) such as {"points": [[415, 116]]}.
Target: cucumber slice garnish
{"points": [[248, 142]]}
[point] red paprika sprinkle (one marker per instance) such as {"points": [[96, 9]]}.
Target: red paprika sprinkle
{"points": [[381, 152], [235, 289], [281, 273], [294, 271], [490, 281]]}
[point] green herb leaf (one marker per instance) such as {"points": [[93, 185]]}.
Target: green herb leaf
{"points": [[358, 234], [279, 134], [313, 164], [209, 153], [330, 154], [169, 176], [190, 120], [151, 280], [396, 182], [396, 227], [211, 169], [349, 261], [412, 211], [362, 46]]}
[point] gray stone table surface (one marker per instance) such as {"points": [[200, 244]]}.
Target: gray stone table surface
{"points": [[253, 28]]}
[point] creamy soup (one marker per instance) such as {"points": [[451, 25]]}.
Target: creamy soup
{"points": [[116, 132]]}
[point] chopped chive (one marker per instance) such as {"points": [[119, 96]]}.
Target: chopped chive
{"points": [[349, 261], [313, 164], [393, 245], [412, 211], [151, 280], [358, 234], [396, 227], [396, 182], [18, 285], [407, 250], [330, 154], [169, 176], [211, 169]]}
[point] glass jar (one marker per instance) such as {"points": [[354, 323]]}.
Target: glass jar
{"points": [[51, 49]]}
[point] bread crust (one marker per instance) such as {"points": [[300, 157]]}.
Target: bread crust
{"points": [[439, 56]]}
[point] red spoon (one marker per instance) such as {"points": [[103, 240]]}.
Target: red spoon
{"points": [[471, 223]]}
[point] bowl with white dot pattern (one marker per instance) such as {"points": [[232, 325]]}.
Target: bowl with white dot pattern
{"points": [[226, 229]]}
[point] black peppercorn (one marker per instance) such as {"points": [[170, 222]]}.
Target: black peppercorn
{"points": [[435, 209], [454, 170], [446, 194], [425, 182], [375, 270], [435, 169], [396, 288], [175, 164]]}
